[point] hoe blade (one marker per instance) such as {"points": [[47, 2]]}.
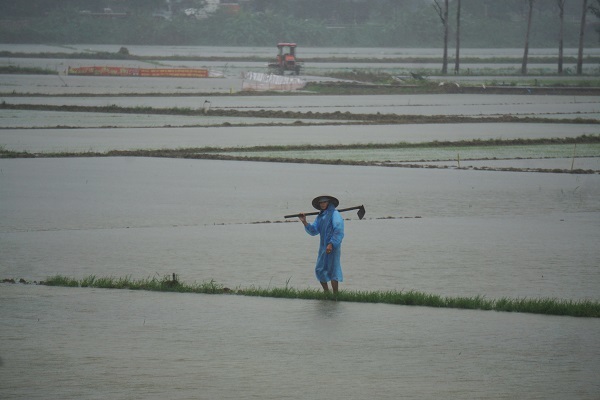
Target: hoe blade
{"points": [[361, 212]]}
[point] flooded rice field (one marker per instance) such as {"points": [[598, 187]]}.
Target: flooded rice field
{"points": [[196, 216], [451, 232], [479, 233], [584, 163], [76, 120], [76, 85], [470, 105], [100, 139], [235, 67], [393, 155], [87, 343]]}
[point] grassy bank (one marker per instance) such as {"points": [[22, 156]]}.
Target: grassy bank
{"points": [[548, 306], [14, 69], [336, 117]]}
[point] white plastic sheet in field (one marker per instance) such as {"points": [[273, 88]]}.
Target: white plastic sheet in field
{"points": [[261, 81]]}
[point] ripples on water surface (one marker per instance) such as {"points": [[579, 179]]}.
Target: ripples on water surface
{"points": [[60, 343], [480, 233]]}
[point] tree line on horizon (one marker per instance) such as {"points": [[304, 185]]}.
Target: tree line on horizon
{"points": [[311, 23], [442, 8]]}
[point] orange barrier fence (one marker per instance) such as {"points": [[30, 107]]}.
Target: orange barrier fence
{"points": [[175, 72], [151, 72]]}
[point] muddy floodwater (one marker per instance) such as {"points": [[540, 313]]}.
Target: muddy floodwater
{"points": [[60, 343], [449, 232], [479, 233]]}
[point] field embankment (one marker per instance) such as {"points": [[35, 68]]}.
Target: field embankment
{"points": [[582, 308]]}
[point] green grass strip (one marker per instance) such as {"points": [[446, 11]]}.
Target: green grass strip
{"points": [[448, 145], [547, 306], [13, 69]]}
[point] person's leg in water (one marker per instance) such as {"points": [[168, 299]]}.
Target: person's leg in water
{"points": [[334, 286]]}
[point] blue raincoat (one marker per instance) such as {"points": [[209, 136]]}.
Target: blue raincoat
{"points": [[330, 225]]}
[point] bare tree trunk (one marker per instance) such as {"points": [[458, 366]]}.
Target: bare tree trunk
{"points": [[561, 7], [526, 52], [445, 62], [581, 34], [443, 13], [457, 60]]}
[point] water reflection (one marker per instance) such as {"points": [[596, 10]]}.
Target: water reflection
{"points": [[329, 310]]}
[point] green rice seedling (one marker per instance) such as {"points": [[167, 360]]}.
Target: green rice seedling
{"points": [[473, 303], [257, 292], [412, 298], [286, 291], [360, 296], [583, 308], [433, 300], [153, 284], [13, 69], [105, 283], [504, 304], [211, 287], [168, 284], [484, 304], [58, 280], [122, 283], [283, 293], [89, 281]]}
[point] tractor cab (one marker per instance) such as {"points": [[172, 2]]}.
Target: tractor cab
{"points": [[286, 60]]}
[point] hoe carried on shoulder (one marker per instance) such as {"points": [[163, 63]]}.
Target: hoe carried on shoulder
{"points": [[361, 212]]}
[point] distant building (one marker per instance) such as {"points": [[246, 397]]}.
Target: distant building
{"points": [[106, 13], [211, 7]]}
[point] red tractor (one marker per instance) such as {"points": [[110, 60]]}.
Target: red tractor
{"points": [[286, 60]]}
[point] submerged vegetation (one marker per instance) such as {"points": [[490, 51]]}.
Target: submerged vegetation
{"points": [[168, 283], [400, 154], [336, 117]]}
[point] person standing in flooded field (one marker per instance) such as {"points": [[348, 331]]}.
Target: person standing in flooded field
{"points": [[329, 224]]}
